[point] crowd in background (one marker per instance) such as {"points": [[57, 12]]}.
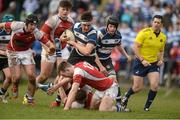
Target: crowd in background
{"points": [[133, 15]]}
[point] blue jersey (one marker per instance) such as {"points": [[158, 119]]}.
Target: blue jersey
{"points": [[106, 43], [84, 38], [4, 40]]}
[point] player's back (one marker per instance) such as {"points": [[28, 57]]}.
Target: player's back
{"points": [[85, 73]]}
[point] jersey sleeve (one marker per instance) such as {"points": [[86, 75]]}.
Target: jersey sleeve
{"points": [[140, 37], [92, 37], [48, 26], [14, 25], [39, 36], [78, 75]]}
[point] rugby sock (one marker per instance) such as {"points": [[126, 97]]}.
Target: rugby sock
{"points": [[151, 96], [118, 98], [58, 98], [129, 93], [29, 97], [2, 91]]}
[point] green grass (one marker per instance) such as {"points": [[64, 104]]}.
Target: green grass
{"points": [[164, 107]]}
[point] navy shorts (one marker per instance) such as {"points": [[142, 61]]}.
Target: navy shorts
{"points": [[109, 66], [140, 70], [3, 63]]}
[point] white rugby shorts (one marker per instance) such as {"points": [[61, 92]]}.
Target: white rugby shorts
{"points": [[111, 92], [20, 57]]}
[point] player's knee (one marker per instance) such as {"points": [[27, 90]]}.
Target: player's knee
{"points": [[106, 104], [154, 87], [8, 78], [137, 88], [44, 76]]}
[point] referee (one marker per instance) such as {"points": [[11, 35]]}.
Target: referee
{"points": [[149, 49]]}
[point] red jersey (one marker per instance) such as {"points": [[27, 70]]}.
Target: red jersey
{"points": [[84, 73], [55, 26], [20, 39]]}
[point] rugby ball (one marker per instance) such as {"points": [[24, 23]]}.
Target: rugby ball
{"points": [[67, 35]]}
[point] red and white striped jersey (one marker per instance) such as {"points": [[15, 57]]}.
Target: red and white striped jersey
{"points": [[84, 73], [55, 26], [20, 39]]}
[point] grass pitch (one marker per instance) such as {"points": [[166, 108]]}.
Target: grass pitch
{"points": [[164, 107]]}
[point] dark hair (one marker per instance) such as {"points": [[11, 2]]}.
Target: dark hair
{"points": [[158, 17], [62, 66], [86, 17], [32, 19], [113, 20], [81, 96], [65, 4]]}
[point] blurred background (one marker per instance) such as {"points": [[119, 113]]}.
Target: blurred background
{"points": [[133, 15]]}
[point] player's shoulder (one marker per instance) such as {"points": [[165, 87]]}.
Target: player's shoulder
{"points": [[70, 20], [79, 64], [92, 31], [77, 25], [102, 30], [52, 20]]}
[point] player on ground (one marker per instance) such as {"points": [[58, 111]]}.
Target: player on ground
{"points": [[19, 52], [85, 74], [5, 36], [149, 49], [109, 38]]}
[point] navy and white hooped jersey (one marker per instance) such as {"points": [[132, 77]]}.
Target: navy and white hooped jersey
{"points": [[106, 43], [4, 40], [84, 38]]}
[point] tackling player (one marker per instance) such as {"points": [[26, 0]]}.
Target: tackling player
{"points": [[85, 74]]}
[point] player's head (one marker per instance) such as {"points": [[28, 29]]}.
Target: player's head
{"points": [[64, 9], [81, 96], [157, 22], [31, 22], [65, 69], [112, 24], [7, 18], [86, 21]]}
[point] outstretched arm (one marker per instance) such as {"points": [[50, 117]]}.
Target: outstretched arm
{"points": [[71, 96], [63, 80]]}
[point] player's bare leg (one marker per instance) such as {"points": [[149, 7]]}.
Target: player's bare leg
{"points": [[46, 70], [6, 84], [16, 74]]}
